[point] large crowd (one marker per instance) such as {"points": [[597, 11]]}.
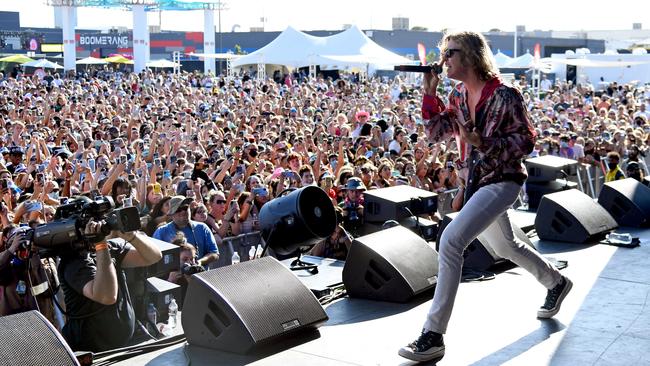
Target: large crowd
{"points": [[223, 147]]}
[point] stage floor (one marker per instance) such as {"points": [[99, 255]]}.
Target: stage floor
{"points": [[605, 320]]}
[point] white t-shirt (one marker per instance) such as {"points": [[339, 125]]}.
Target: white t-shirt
{"points": [[357, 131], [394, 145], [578, 151]]}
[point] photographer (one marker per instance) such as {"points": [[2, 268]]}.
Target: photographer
{"points": [[26, 280], [188, 266], [352, 206], [100, 313]]}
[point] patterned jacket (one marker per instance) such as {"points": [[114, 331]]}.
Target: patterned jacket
{"points": [[503, 123]]}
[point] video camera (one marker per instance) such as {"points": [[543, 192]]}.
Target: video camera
{"points": [[190, 269], [70, 220]]}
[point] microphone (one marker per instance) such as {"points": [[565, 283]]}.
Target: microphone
{"points": [[419, 68]]}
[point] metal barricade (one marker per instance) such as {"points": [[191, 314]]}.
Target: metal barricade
{"points": [[445, 199], [591, 179]]}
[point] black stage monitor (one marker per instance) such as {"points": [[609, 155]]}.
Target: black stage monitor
{"points": [[392, 203]]}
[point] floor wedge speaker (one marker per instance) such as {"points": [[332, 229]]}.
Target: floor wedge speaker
{"points": [[245, 306], [572, 216], [394, 264], [479, 254], [30, 339], [628, 201]]}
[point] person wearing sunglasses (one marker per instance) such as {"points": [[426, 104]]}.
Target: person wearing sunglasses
{"points": [[491, 125]]}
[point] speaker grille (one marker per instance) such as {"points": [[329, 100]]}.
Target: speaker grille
{"points": [[263, 293], [29, 339]]}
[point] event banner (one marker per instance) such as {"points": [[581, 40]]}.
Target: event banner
{"points": [[114, 40]]}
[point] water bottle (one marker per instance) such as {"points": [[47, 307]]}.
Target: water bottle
{"points": [[235, 258], [152, 313], [173, 312], [258, 252], [251, 253], [619, 238]]}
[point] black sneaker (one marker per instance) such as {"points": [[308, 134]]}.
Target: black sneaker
{"points": [[554, 299], [427, 347]]}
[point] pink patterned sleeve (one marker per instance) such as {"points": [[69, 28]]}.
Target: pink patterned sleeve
{"points": [[437, 125]]}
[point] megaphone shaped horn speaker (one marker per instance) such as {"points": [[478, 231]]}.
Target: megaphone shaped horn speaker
{"points": [[301, 218]]}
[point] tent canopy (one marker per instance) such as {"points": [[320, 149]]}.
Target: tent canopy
{"points": [[43, 63], [91, 61], [524, 61], [350, 48], [219, 56], [161, 64], [502, 60], [600, 63], [119, 59], [19, 59]]}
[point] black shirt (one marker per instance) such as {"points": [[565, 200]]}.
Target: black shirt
{"points": [[92, 326]]}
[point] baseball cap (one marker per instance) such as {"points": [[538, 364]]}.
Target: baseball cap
{"points": [[16, 150], [355, 184], [177, 202]]}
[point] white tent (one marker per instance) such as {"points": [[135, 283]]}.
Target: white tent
{"points": [[91, 61], [524, 61], [502, 60], [350, 48], [622, 68], [162, 63], [291, 48], [43, 63]]}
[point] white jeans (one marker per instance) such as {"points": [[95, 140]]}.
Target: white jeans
{"points": [[488, 206]]}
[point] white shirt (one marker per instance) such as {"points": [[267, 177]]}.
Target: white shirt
{"points": [[578, 151], [394, 145]]}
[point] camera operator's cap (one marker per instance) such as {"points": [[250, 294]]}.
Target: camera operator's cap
{"points": [[177, 202], [355, 184]]}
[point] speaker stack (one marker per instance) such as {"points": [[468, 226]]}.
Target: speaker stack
{"points": [[400, 203], [628, 201], [548, 174], [394, 265], [572, 216]]}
